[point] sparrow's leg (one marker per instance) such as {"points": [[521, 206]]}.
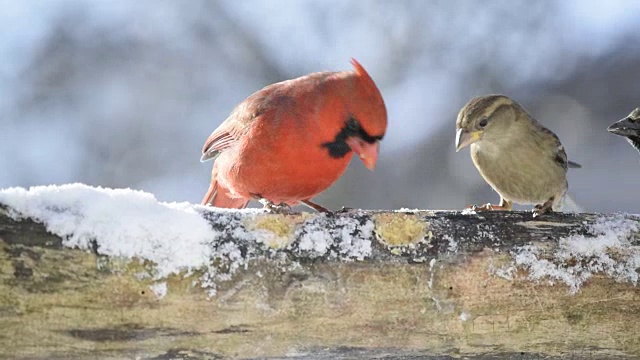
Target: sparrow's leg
{"points": [[504, 205], [315, 206], [543, 208]]}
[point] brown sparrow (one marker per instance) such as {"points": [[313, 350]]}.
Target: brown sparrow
{"points": [[519, 158]]}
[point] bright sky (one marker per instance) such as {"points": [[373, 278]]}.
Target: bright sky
{"points": [[596, 23], [23, 23], [592, 25]]}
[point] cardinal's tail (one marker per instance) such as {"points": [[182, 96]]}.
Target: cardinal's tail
{"points": [[219, 196]]}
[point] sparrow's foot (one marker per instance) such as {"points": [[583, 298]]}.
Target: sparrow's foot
{"points": [[543, 208], [489, 207]]}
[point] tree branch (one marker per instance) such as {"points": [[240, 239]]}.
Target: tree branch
{"points": [[429, 284]]}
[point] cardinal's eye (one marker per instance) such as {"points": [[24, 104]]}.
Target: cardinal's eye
{"points": [[353, 125], [483, 122]]}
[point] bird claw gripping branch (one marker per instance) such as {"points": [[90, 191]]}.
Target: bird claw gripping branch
{"points": [[489, 207], [543, 208], [271, 207]]}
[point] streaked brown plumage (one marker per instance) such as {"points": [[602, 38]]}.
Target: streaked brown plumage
{"points": [[519, 158], [629, 127]]}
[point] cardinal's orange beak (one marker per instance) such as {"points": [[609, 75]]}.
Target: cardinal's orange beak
{"points": [[368, 152]]}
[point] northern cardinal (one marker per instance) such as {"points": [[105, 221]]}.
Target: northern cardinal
{"points": [[521, 160], [292, 140]]}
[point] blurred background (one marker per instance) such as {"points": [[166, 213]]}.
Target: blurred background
{"points": [[122, 93]]}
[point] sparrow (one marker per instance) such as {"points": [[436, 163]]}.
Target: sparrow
{"points": [[629, 127], [292, 140], [519, 158]]}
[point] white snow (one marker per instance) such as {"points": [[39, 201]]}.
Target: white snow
{"points": [[314, 241], [180, 238], [577, 258], [505, 272], [453, 243], [464, 316], [432, 265], [350, 240], [123, 222], [159, 289], [176, 237], [355, 237], [468, 211]]}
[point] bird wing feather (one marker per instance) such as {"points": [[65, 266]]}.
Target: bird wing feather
{"points": [[234, 126], [219, 140], [275, 96], [560, 155]]}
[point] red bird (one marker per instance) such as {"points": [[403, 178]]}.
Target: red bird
{"points": [[291, 140]]}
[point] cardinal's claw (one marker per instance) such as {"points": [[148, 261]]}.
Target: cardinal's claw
{"points": [[271, 207]]}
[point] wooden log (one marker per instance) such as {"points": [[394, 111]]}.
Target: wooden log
{"points": [[414, 284]]}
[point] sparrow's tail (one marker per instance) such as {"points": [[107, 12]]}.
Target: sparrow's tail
{"points": [[219, 196], [573, 165], [571, 206]]}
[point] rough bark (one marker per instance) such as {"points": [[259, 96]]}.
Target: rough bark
{"points": [[427, 290]]}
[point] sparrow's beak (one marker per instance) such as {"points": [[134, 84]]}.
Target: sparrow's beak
{"points": [[367, 152], [465, 138], [625, 127]]}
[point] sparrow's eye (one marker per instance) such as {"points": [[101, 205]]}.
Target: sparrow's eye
{"points": [[483, 122]]}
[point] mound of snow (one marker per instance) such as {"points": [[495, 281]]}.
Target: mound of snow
{"points": [[610, 250], [176, 237]]}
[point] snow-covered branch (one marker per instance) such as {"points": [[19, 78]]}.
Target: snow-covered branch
{"points": [[164, 269]]}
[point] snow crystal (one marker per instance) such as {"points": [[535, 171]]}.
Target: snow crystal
{"points": [[345, 237], [159, 289], [432, 264], [468, 211], [315, 241], [355, 238], [611, 251], [505, 272], [464, 316], [453, 243], [407, 210]]}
